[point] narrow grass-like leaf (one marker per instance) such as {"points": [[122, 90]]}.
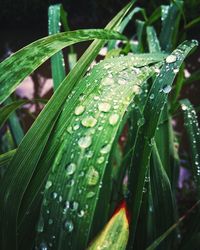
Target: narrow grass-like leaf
{"points": [[115, 234], [193, 132], [90, 131], [8, 109], [57, 60], [19, 175], [159, 90], [170, 23], [14, 124], [22, 63], [157, 242], [152, 39]]}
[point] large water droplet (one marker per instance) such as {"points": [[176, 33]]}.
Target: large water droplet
{"points": [[85, 142], [79, 110], [113, 119], [104, 107], [171, 59], [105, 149], [68, 226], [89, 122], [92, 177], [70, 168]]}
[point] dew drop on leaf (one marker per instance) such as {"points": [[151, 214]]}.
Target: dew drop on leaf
{"points": [[68, 226], [81, 213], [43, 246], [89, 122], [107, 81], [113, 119], [70, 168], [85, 142], [40, 225], [151, 96], [54, 195], [105, 149], [92, 177], [104, 107], [100, 160], [48, 184], [167, 89], [90, 194], [79, 110], [171, 59]]}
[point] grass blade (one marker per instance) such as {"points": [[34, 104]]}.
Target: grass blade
{"points": [[32, 56]]}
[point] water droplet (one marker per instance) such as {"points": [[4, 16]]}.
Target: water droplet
{"points": [[92, 177], [167, 89], [69, 130], [107, 81], [113, 119], [151, 96], [104, 107], [100, 160], [81, 213], [105, 149], [171, 59], [54, 195], [90, 194], [48, 184], [70, 168], [85, 142], [89, 154], [74, 205], [68, 226], [43, 246], [79, 110], [40, 225], [50, 221], [89, 122], [184, 107]]}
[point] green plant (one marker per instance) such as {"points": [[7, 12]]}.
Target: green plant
{"points": [[64, 181]]}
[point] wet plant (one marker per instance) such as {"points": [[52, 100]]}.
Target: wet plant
{"points": [[98, 169]]}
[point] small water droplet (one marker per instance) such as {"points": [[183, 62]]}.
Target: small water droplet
{"points": [[90, 194], [48, 184], [105, 149], [100, 160], [107, 81], [50, 221], [68, 226], [85, 142], [81, 213], [104, 107], [79, 110], [151, 96], [40, 225], [89, 122], [171, 59], [43, 246], [54, 195], [70, 168], [113, 119], [92, 177], [166, 89]]}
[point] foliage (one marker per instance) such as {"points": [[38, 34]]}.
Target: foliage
{"points": [[71, 183]]}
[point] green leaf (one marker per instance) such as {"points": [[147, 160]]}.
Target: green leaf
{"points": [[153, 107], [25, 61], [8, 109], [152, 39], [23, 164], [90, 129], [115, 233], [57, 60], [193, 133]]}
